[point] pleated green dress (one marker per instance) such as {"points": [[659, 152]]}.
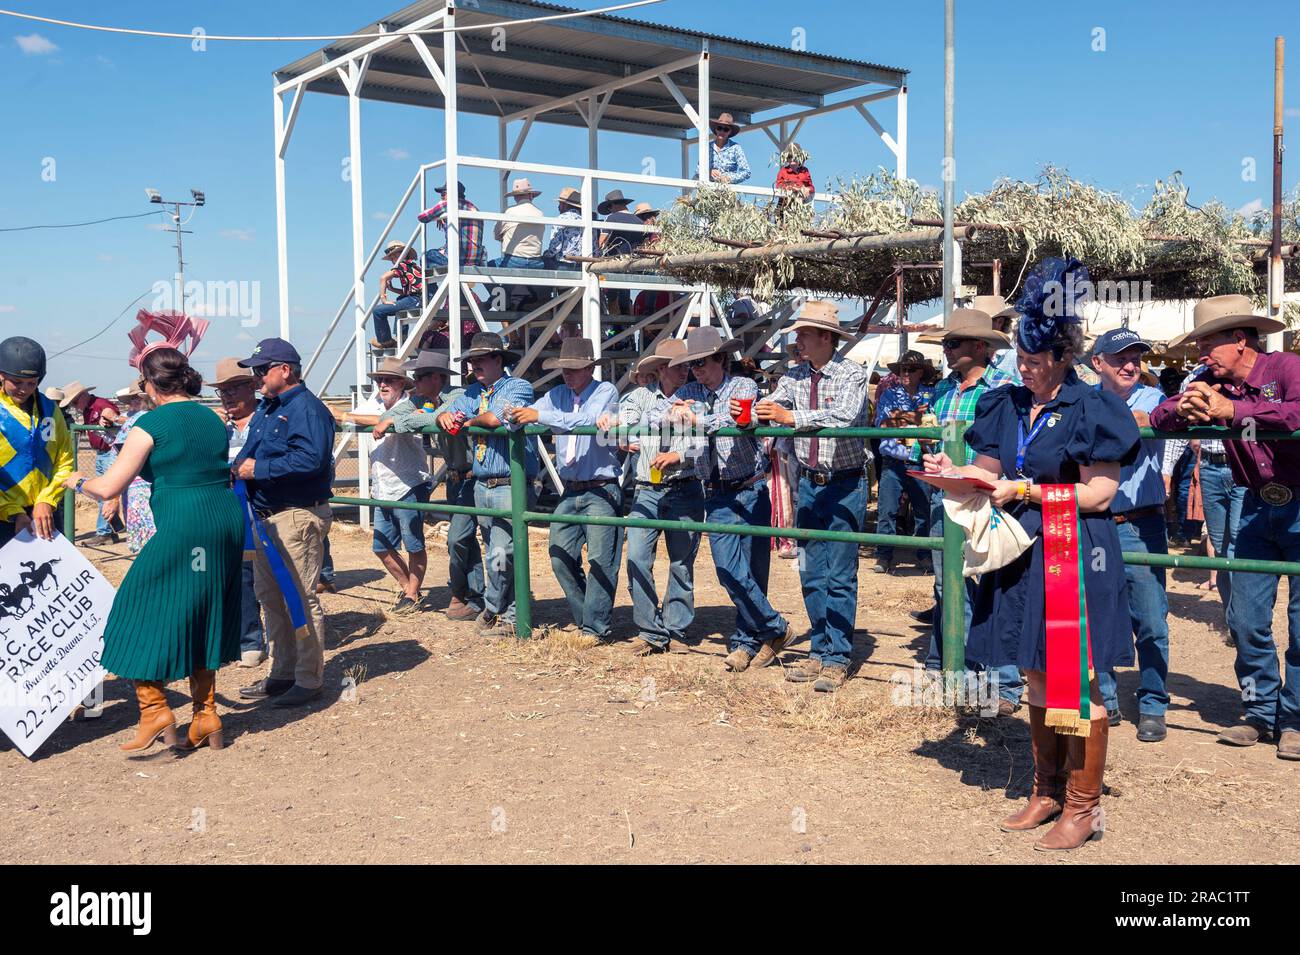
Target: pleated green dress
{"points": [[178, 609]]}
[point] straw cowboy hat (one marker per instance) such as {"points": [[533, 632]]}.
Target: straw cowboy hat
{"points": [[396, 246], [574, 353], [392, 368], [664, 352], [74, 390], [703, 342], [724, 121], [994, 306], [821, 315], [438, 361], [54, 394], [970, 323], [489, 343], [230, 372], [570, 197], [644, 209], [911, 357], [1224, 312], [612, 199], [522, 187], [130, 391]]}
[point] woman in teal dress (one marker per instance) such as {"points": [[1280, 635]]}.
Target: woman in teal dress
{"points": [[177, 612]]}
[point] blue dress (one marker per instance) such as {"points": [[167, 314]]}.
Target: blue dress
{"points": [[1008, 618]]}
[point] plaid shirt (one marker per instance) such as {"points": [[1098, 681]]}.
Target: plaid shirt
{"points": [[471, 230], [841, 403], [734, 459], [951, 403]]}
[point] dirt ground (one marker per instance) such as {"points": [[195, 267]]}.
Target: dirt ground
{"points": [[459, 749]]}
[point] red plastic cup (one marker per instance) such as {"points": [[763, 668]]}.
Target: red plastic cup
{"points": [[746, 412]]}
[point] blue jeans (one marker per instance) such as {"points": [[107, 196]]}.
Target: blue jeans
{"points": [[679, 501], [893, 483], [589, 591], [1182, 479], [435, 259], [1222, 499], [742, 563], [327, 565], [251, 636], [498, 544], [828, 570], [1266, 533], [386, 310], [1010, 683], [103, 461], [1149, 609], [517, 262], [464, 557]]}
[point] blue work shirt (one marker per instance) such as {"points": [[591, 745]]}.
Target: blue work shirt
{"points": [[492, 455], [291, 440], [1140, 483], [581, 457]]}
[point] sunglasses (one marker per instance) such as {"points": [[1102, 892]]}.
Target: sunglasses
{"points": [[954, 343], [909, 369], [421, 375], [697, 363]]}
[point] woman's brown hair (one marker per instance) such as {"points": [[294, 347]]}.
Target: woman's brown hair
{"points": [[170, 373]]}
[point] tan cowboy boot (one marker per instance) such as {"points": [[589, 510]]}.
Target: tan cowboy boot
{"points": [[205, 727], [156, 718], [1081, 819], [1046, 798]]}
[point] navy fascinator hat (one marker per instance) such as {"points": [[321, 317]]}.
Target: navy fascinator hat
{"points": [[1055, 291]]}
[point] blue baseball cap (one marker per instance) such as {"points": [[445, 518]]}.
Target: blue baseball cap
{"points": [[272, 351], [1118, 339]]}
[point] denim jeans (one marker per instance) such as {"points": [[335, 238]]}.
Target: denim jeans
{"points": [[678, 501], [1266, 533], [589, 590], [464, 556], [386, 310], [1222, 498], [251, 636], [499, 554], [742, 563], [1149, 609], [327, 565], [435, 259], [517, 262], [103, 461], [828, 570], [893, 483], [1010, 683], [1182, 480]]}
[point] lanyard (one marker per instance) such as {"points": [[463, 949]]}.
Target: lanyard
{"points": [[1023, 442]]}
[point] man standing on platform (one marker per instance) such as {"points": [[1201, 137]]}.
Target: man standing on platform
{"points": [[1139, 509], [824, 391], [288, 467], [591, 472], [1249, 388]]}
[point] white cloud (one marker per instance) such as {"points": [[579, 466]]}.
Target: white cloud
{"points": [[33, 44], [1254, 207], [397, 153], [4, 309], [105, 61], [241, 235], [382, 216], [158, 227], [104, 258], [1291, 111]]}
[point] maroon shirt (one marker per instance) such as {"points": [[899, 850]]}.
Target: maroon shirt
{"points": [[1270, 397], [100, 440]]}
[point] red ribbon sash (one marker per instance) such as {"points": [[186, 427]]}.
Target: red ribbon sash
{"points": [[1069, 656]]}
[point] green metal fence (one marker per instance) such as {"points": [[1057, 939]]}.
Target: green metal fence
{"points": [[954, 590]]}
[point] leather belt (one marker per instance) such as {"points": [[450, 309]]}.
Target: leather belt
{"points": [[822, 478], [494, 482], [729, 487], [579, 486], [677, 484], [266, 512], [1214, 458], [1276, 494], [1128, 517]]}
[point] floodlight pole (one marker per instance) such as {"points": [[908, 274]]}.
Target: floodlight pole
{"points": [[180, 246], [949, 166]]}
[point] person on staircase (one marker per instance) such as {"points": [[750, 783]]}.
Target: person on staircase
{"points": [[407, 274]]}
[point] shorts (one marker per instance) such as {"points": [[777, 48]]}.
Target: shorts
{"points": [[400, 528]]}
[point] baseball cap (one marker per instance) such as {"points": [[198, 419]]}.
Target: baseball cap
{"points": [[272, 351], [1118, 339]]}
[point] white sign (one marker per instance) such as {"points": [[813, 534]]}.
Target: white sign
{"points": [[53, 607]]}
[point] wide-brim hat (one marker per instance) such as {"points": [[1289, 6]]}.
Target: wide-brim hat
{"points": [[612, 199], [664, 352], [72, 391], [821, 315], [1224, 312], [570, 197], [488, 343], [724, 121], [392, 368], [970, 323], [644, 209], [132, 390], [522, 187], [396, 246], [703, 342], [230, 371], [427, 360], [54, 394], [994, 306], [574, 353], [910, 358]]}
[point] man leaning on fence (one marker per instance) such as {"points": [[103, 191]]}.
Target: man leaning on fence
{"points": [[1252, 389], [590, 471], [288, 466], [824, 390]]}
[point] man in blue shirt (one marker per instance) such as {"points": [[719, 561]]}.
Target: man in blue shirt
{"points": [[1139, 509], [287, 464], [486, 404], [590, 470]]}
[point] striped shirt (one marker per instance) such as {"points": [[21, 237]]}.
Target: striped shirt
{"points": [[841, 403], [952, 403], [725, 459], [638, 408]]}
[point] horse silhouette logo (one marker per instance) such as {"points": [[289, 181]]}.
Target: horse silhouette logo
{"points": [[40, 577]]}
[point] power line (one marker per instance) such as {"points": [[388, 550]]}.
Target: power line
{"points": [[76, 225], [346, 36], [105, 328]]}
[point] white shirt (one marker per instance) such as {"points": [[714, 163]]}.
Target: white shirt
{"points": [[398, 462], [238, 437]]}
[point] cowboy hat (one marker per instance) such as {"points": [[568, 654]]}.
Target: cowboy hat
{"points": [[230, 372], [570, 197], [724, 121], [396, 246], [392, 368], [130, 391], [74, 390], [970, 323], [429, 361], [703, 342], [489, 343], [821, 315], [574, 353], [1223, 313], [644, 209], [522, 187], [612, 199], [994, 306], [664, 352], [911, 357], [54, 394]]}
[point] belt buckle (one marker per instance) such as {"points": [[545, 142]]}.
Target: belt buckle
{"points": [[1276, 494], [819, 478]]}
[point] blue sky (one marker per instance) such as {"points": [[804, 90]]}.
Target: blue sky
{"points": [[1180, 85]]}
